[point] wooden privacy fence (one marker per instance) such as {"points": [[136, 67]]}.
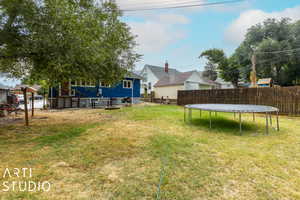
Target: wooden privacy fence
{"points": [[287, 99]]}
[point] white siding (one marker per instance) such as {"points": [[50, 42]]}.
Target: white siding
{"points": [[227, 86], [3, 96], [170, 91], [195, 82], [191, 86], [150, 78]]}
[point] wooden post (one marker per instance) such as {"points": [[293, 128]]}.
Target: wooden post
{"points": [[25, 106], [32, 104]]}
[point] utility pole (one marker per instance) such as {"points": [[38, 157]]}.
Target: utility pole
{"points": [[253, 77]]}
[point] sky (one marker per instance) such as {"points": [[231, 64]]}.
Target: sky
{"points": [[6, 81], [180, 35]]}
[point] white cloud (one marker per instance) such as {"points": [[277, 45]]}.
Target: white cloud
{"points": [[236, 32], [6, 81], [157, 32]]}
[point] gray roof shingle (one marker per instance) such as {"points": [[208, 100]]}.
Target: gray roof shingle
{"points": [[133, 75], [174, 79], [159, 72]]}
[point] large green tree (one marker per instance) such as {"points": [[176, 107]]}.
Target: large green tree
{"points": [[228, 68], [55, 40], [274, 43], [210, 71]]}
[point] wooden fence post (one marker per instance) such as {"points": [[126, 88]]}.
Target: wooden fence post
{"points": [[25, 106], [32, 104]]}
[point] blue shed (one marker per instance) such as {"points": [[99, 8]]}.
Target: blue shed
{"points": [[87, 91]]}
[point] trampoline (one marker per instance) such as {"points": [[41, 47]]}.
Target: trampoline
{"points": [[236, 109]]}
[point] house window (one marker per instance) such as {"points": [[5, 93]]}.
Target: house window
{"points": [[144, 75], [73, 83], [73, 92], [92, 83], [103, 84], [127, 84], [149, 85], [83, 83]]}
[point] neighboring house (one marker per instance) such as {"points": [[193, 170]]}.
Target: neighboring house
{"points": [[88, 90], [221, 84], [242, 84], [152, 74], [264, 82], [18, 88], [170, 84], [4, 92]]}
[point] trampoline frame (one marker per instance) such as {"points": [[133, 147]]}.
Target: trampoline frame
{"points": [[268, 113]]}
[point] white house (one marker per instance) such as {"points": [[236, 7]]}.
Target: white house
{"points": [[152, 74], [169, 85], [3, 94], [221, 84]]}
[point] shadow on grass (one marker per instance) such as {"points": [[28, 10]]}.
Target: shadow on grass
{"points": [[40, 135], [224, 125], [62, 136], [59, 138], [163, 145]]}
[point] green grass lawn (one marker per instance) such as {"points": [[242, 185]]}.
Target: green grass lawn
{"points": [[148, 152]]}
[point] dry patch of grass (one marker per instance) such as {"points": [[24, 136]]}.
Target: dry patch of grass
{"points": [[123, 154]]}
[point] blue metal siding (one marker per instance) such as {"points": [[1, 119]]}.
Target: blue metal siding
{"points": [[55, 92], [115, 91]]}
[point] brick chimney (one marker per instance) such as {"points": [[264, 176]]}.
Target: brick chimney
{"points": [[167, 67]]}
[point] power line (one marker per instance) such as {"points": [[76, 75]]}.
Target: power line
{"points": [[273, 61], [275, 52], [159, 3], [184, 6], [177, 5], [280, 59]]}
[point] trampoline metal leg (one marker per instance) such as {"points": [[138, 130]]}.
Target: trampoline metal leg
{"points": [[267, 124], [270, 115], [184, 114], [190, 115], [240, 119], [254, 117], [209, 119], [234, 115], [277, 116], [200, 113]]}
